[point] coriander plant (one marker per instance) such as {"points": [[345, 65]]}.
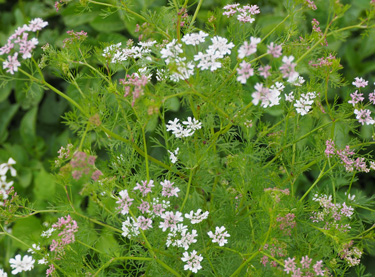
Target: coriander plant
{"points": [[202, 144]]}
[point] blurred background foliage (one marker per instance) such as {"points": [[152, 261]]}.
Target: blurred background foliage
{"points": [[31, 124]]}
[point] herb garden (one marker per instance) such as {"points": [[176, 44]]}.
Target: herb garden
{"points": [[187, 138]]}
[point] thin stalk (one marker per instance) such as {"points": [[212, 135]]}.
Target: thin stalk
{"points": [[321, 174], [188, 188]]}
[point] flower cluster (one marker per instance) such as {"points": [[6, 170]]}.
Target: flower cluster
{"points": [[116, 54], [6, 187], [362, 115], [332, 214], [315, 23], [82, 163], [268, 97], [276, 249], [178, 234], [345, 155], [191, 125], [352, 255], [287, 223], [74, 37], [290, 267], [19, 264], [244, 13], [134, 84], [20, 43], [219, 235], [276, 193], [303, 104], [68, 227]]}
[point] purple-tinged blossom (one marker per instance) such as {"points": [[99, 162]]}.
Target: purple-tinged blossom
{"points": [[125, 202], [193, 261], [168, 189], [360, 82], [364, 116], [274, 49], [247, 49], [143, 223], [290, 265], [170, 220], [244, 72], [356, 98], [318, 268], [264, 71], [145, 188]]}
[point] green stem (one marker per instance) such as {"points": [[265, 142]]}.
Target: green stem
{"points": [[195, 15], [322, 173], [188, 188]]}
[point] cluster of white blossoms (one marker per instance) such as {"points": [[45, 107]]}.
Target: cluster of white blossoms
{"points": [[19, 264], [116, 53], [4, 185], [172, 222], [191, 125], [303, 105]]}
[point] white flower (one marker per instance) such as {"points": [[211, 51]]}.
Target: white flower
{"points": [[219, 236], [197, 217], [171, 51], [36, 24], [220, 46], [18, 265], [33, 248], [130, 229], [4, 186], [8, 166], [194, 38], [3, 274], [43, 261], [193, 261], [47, 233], [187, 239], [289, 97], [192, 124], [303, 105], [208, 60], [173, 155], [170, 220]]}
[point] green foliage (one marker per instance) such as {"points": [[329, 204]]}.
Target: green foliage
{"points": [[261, 172]]}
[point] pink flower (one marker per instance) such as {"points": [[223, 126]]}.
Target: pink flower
{"points": [[12, 64], [360, 82], [274, 50], [145, 188], [143, 223], [305, 262], [371, 97], [168, 189], [290, 265], [125, 202], [244, 72], [288, 69], [247, 49], [144, 207], [330, 148], [170, 220], [36, 24], [356, 98], [264, 71], [318, 268]]}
